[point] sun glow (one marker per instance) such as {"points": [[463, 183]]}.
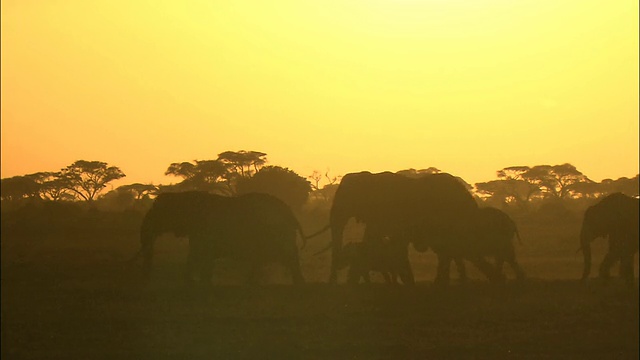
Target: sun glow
{"points": [[466, 86]]}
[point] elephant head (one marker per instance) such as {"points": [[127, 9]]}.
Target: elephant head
{"points": [[177, 213], [615, 216]]}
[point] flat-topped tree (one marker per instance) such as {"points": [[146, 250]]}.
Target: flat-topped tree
{"points": [[206, 175], [555, 180], [138, 190], [88, 178], [243, 163]]}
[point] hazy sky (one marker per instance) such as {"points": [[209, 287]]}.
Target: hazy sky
{"points": [[469, 87]]}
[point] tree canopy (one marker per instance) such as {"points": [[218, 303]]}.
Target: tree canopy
{"points": [[88, 178], [280, 182]]}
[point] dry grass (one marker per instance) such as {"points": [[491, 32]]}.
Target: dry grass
{"points": [[75, 299]]}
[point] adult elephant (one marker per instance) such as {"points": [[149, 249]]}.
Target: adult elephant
{"points": [[434, 211], [616, 217], [255, 228]]}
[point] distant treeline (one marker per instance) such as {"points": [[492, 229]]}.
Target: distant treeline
{"points": [[237, 172]]}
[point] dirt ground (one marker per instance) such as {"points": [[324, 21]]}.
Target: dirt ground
{"points": [[76, 299]]}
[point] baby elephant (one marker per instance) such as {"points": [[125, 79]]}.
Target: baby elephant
{"points": [[493, 235], [374, 254]]}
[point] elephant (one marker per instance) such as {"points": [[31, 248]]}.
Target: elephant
{"points": [[615, 217], [254, 227], [434, 211], [494, 232], [375, 253]]}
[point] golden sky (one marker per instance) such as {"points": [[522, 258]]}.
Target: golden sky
{"points": [[467, 86]]}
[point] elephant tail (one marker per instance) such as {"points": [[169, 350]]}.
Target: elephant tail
{"points": [[324, 249], [302, 236], [518, 235], [327, 227], [134, 257]]}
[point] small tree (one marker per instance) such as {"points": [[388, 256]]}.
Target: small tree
{"points": [[205, 175], [53, 186], [279, 182], [88, 178], [243, 163], [588, 189], [516, 185], [624, 185], [495, 191], [19, 187], [413, 173], [138, 190]]}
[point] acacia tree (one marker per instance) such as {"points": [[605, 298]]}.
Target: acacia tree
{"points": [[19, 187], [88, 178], [588, 189], [138, 190], [516, 185], [494, 190], [243, 163], [206, 175], [280, 182], [53, 186], [555, 180], [624, 185]]}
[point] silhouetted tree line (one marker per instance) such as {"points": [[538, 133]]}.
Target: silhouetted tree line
{"points": [[521, 186], [239, 172]]}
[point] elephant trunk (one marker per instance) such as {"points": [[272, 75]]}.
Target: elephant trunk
{"points": [[337, 228], [147, 239], [336, 248], [585, 246]]}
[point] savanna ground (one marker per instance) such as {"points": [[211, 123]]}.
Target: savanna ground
{"points": [[73, 297]]}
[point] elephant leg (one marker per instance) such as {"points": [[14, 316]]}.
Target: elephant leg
{"points": [[206, 273], [510, 258], [366, 275], [333, 277], [353, 275], [393, 275], [606, 265], [442, 275], [296, 272], [254, 271], [405, 272], [499, 260], [462, 270], [388, 277], [488, 270], [626, 268], [192, 267], [520, 275]]}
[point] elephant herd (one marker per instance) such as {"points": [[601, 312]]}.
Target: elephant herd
{"points": [[433, 212]]}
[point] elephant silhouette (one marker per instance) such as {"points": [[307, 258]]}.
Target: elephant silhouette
{"points": [[255, 228], [494, 232], [375, 252], [615, 217], [435, 211]]}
